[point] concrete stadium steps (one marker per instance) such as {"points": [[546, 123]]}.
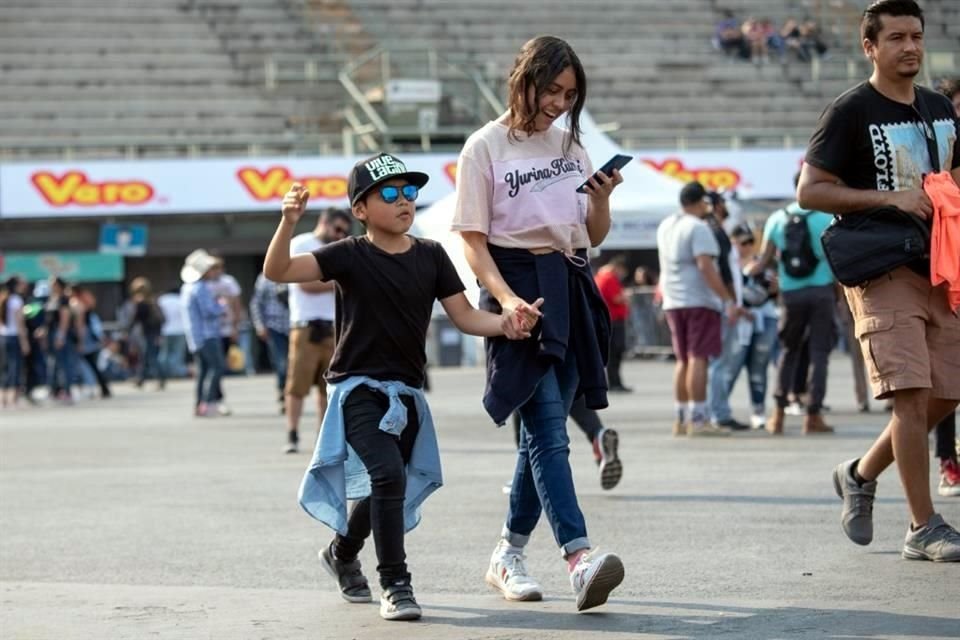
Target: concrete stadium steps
{"points": [[102, 72], [651, 65]]}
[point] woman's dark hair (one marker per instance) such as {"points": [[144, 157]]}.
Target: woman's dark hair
{"points": [[537, 65], [9, 288], [949, 87], [871, 25]]}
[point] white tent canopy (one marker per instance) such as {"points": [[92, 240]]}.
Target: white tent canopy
{"points": [[639, 204]]}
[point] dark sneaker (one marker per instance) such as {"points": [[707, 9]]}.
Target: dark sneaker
{"points": [[937, 541], [611, 469], [353, 585], [293, 442], [857, 515], [397, 602], [732, 424]]}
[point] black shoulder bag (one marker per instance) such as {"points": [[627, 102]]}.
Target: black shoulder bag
{"points": [[867, 244]]}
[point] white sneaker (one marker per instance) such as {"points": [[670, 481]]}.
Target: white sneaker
{"points": [[507, 574], [758, 421], [223, 409], [795, 409], [594, 577]]}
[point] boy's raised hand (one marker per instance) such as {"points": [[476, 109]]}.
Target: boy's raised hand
{"points": [[294, 203]]}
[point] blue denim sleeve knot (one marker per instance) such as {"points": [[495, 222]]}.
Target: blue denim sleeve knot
{"points": [[394, 421]]}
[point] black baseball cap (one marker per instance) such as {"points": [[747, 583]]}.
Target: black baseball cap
{"points": [[691, 193], [370, 172]]}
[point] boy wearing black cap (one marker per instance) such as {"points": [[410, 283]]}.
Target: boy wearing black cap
{"points": [[377, 444]]}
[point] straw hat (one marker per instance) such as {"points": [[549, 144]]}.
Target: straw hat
{"points": [[196, 266]]}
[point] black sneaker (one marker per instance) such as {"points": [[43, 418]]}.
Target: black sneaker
{"points": [[732, 424], [293, 442], [397, 602], [353, 584], [611, 469]]}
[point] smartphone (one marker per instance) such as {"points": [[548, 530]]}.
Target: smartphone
{"points": [[618, 161]]}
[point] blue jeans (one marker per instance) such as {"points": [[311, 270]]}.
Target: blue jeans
{"points": [[63, 373], [151, 363], [719, 376], [13, 362], [543, 480], [278, 346], [173, 355], [756, 357], [210, 370]]}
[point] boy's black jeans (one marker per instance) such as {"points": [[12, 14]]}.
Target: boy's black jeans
{"points": [[385, 457]]}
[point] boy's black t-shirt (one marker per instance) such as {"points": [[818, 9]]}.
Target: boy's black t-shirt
{"points": [[384, 304], [872, 142]]}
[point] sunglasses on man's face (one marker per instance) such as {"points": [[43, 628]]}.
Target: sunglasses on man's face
{"points": [[746, 243], [340, 230], [390, 193]]}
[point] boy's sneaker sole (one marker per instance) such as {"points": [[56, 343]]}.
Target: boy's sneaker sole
{"points": [[611, 469], [325, 562], [409, 613], [605, 580], [533, 596]]}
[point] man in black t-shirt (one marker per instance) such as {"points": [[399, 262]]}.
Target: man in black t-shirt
{"points": [[870, 150]]}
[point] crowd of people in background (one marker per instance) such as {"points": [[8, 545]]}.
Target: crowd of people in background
{"points": [[759, 39], [57, 348]]}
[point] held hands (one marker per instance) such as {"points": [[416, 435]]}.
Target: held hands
{"points": [[519, 317], [295, 203], [600, 189], [914, 201], [735, 313]]}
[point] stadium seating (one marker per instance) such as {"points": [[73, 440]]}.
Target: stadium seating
{"points": [[158, 77]]}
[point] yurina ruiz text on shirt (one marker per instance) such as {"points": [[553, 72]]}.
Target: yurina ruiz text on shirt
{"points": [[522, 193]]}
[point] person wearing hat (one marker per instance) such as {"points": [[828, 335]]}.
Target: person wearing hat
{"points": [[758, 293], [202, 313], [733, 335], [386, 285], [695, 300]]}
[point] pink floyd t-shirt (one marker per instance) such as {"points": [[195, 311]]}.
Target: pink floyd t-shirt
{"points": [[522, 193]]}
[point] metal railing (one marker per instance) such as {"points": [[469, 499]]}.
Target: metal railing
{"points": [[466, 100]]}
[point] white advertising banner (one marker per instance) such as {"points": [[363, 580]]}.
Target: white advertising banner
{"points": [[752, 173], [190, 186], [118, 188]]}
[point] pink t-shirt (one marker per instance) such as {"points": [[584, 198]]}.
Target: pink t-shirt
{"points": [[522, 193]]}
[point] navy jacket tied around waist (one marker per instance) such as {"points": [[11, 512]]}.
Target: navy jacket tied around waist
{"points": [[572, 306]]}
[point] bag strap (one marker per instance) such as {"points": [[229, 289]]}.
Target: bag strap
{"points": [[929, 133]]}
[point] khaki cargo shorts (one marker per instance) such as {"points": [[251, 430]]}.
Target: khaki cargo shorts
{"points": [[307, 362], [909, 337]]}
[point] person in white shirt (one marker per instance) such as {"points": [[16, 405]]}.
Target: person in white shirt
{"points": [[173, 341], [312, 309], [13, 337], [227, 289]]}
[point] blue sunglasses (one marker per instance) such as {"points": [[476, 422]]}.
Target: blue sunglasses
{"points": [[390, 194]]}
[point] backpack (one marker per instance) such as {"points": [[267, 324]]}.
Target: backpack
{"points": [[154, 318], [797, 256]]}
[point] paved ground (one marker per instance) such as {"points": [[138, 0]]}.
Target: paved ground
{"points": [[130, 519]]}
